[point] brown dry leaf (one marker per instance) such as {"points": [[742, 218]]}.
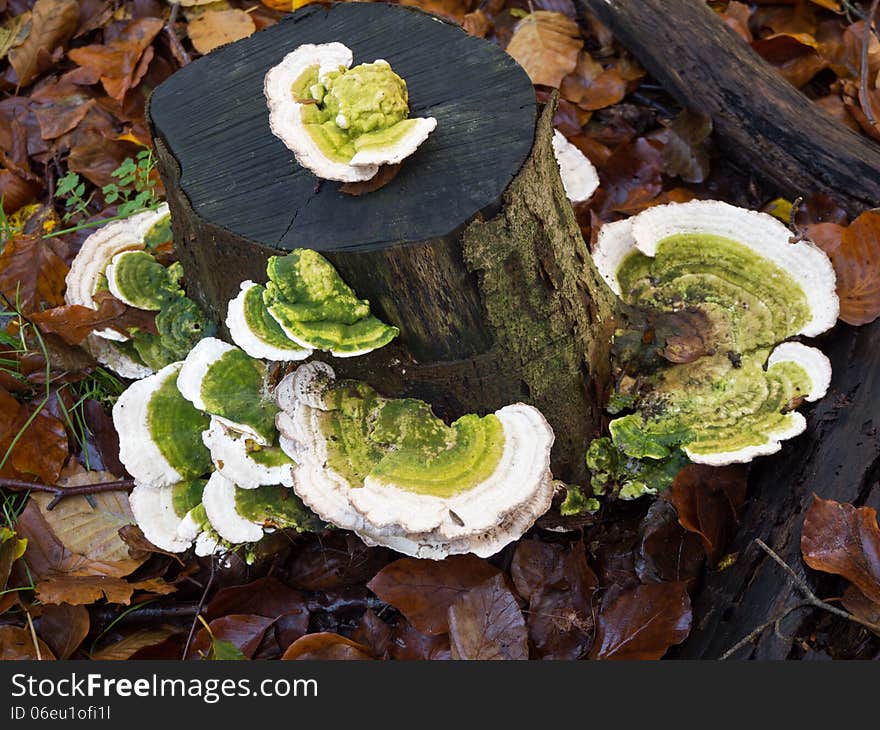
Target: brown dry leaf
{"points": [[854, 601], [385, 175], [267, 597], [73, 323], [685, 153], [117, 63], [408, 643], [16, 190], [335, 561], [31, 274], [591, 86], [667, 551], [423, 590], [59, 107], [374, 633], [41, 448], [736, 16], [53, 22], [794, 56], [126, 647], [856, 261], [452, 9], [17, 643], [63, 628], [546, 45], [215, 28], [477, 24], [708, 500], [642, 622], [13, 33], [632, 177], [845, 540], [326, 645], [829, 5], [84, 589], [487, 623]]}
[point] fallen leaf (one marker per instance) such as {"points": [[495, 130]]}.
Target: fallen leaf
{"points": [[17, 191], [845, 540], [63, 628], [708, 500], [408, 644], [854, 601], [243, 631], [31, 274], [546, 45], [452, 9], [335, 561], [794, 56], [667, 551], [374, 633], [73, 322], [11, 549], [477, 24], [856, 261], [642, 622], [131, 646], [326, 645], [53, 22], [736, 16], [685, 153], [423, 590], [59, 107], [559, 585], [487, 623], [385, 175], [591, 86], [34, 447], [17, 643], [631, 177], [117, 62], [215, 28]]}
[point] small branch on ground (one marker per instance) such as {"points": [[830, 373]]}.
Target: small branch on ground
{"points": [[176, 46], [19, 485], [866, 43], [810, 600], [192, 629]]}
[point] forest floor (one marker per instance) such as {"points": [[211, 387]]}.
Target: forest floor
{"points": [[75, 149]]}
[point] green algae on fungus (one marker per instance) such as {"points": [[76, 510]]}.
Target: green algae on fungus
{"points": [[222, 380], [255, 331], [168, 515], [242, 515], [342, 123], [316, 309], [160, 432], [180, 325], [244, 461], [754, 289], [393, 472], [138, 280], [614, 472]]}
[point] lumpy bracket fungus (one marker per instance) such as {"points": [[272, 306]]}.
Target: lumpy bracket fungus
{"points": [[471, 250]]}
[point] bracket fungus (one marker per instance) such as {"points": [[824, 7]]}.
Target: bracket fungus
{"points": [[220, 379], [245, 462], [579, 177], [255, 331], [172, 516], [397, 475], [342, 123], [317, 310], [160, 432], [754, 289]]}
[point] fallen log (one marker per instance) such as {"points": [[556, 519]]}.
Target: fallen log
{"points": [[772, 128], [472, 250]]}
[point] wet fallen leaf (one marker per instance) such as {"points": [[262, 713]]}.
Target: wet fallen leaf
{"points": [[423, 590], [546, 45], [63, 628], [334, 561], [845, 540], [215, 28], [591, 86], [685, 153], [243, 631], [53, 22], [18, 643], [667, 551], [487, 623], [854, 601], [408, 643], [794, 56], [374, 633], [131, 646], [642, 622], [631, 177], [73, 323], [325, 645], [708, 500]]}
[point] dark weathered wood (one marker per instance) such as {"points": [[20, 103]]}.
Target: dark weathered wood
{"points": [[760, 118], [772, 128], [484, 270]]}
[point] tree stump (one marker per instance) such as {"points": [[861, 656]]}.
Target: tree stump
{"points": [[472, 250]]}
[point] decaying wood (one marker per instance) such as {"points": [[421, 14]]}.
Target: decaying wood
{"points": [[774, 129], [759, 117]]}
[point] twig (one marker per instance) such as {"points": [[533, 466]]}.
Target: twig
{"points": [[192, 629], [810, 599], [34, 636], [18, 485], [863, 81], [176, 46]]}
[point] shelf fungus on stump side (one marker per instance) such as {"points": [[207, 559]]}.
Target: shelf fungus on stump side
{"points": [[753, 288], [579, 177], [397, 475], [160, 432], [172, 517], [317, 310], [342, 123], [245, 462], [242, 515], [220, 379]]}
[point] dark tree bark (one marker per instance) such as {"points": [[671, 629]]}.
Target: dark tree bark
{"points": [[773, 128], [472, 250], [759, 117]]}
